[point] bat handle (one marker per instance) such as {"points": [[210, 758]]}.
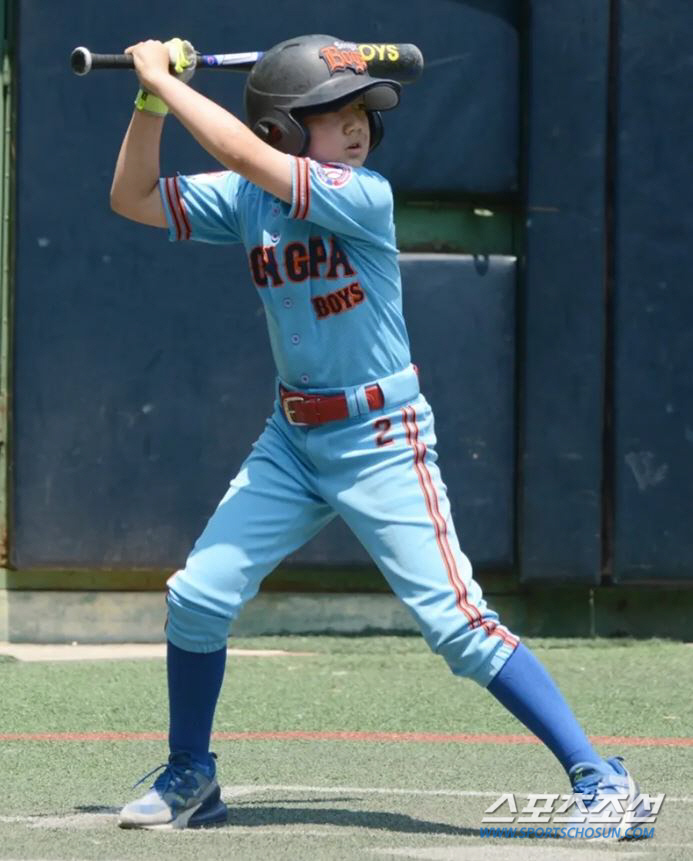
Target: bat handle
{"points": [[82, 61]]}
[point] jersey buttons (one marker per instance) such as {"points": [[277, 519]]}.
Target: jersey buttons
{"points": [[305, 379], [295, 339], [287, 303]]}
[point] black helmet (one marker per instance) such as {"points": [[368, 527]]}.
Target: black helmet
{"points": [[310, 74]]}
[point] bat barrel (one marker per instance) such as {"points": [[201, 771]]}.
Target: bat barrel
{"points": [[401, 62]]}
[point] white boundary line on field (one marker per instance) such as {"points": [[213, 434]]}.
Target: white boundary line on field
{"points": [[230, 792]]}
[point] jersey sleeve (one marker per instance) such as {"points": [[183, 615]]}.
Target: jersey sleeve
{"points": [[352, 201], [202, 207]]}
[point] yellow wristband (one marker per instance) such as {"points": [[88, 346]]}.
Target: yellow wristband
{"points": [[150, 104]]}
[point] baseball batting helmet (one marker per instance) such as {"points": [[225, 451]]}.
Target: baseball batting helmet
{"points": [[311, 74]]}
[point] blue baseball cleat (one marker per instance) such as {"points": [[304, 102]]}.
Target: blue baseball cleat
{"points": [[184, 795], [618, 820]]}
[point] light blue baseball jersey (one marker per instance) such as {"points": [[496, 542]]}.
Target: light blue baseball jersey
{"points": [[325, 266], [326, 269]]}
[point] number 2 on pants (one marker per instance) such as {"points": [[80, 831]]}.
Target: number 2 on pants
{"points": [[382, 426]]}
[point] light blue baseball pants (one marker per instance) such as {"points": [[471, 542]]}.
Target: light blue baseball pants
{"points": [[378, 471]]}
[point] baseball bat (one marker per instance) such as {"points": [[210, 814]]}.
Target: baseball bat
{"points": [[401, 62]]}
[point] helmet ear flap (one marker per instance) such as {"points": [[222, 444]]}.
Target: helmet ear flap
{"points": [[282, 132], [375, 121]]}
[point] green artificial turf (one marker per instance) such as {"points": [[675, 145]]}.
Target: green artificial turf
{"points": [[334, 799]]}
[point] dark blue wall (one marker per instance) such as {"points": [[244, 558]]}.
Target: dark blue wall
{"points": [[606, 310], [142, 371], [131, 356], [562, 322], [653, 350]]}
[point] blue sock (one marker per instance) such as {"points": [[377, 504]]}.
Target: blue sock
{"points": [[194, 682], [525, 688]]}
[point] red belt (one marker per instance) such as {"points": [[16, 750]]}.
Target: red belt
{"points": [[304, 409]]}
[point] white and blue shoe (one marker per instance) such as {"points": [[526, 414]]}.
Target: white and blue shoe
{"points": [[619, 818], [185, 795]]}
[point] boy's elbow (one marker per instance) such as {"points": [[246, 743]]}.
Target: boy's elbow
{"points": [[130, 201], [119, 205], [127, 207], [145, 210]]}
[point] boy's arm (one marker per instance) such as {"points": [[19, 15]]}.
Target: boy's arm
{"points": [[135, 189], [218, 131]]}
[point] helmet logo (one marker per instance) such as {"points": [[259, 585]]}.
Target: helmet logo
{"points": [[343, 56]]}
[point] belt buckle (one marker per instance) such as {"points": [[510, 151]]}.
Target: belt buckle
{"points": [[287, 411]]}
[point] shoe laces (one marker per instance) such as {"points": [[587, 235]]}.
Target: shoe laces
{"points": [[178, 772], [588, 777]]}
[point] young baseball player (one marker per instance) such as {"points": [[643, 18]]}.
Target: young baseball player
{"points": [[350, 433]]}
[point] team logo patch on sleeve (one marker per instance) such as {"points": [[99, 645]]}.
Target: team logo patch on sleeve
{"points": [[333, 175]]}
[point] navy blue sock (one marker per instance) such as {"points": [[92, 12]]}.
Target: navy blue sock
{"points": [[194, 682], [525, 688]]}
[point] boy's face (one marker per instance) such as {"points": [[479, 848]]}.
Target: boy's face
{"points": [[342, 136]]}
